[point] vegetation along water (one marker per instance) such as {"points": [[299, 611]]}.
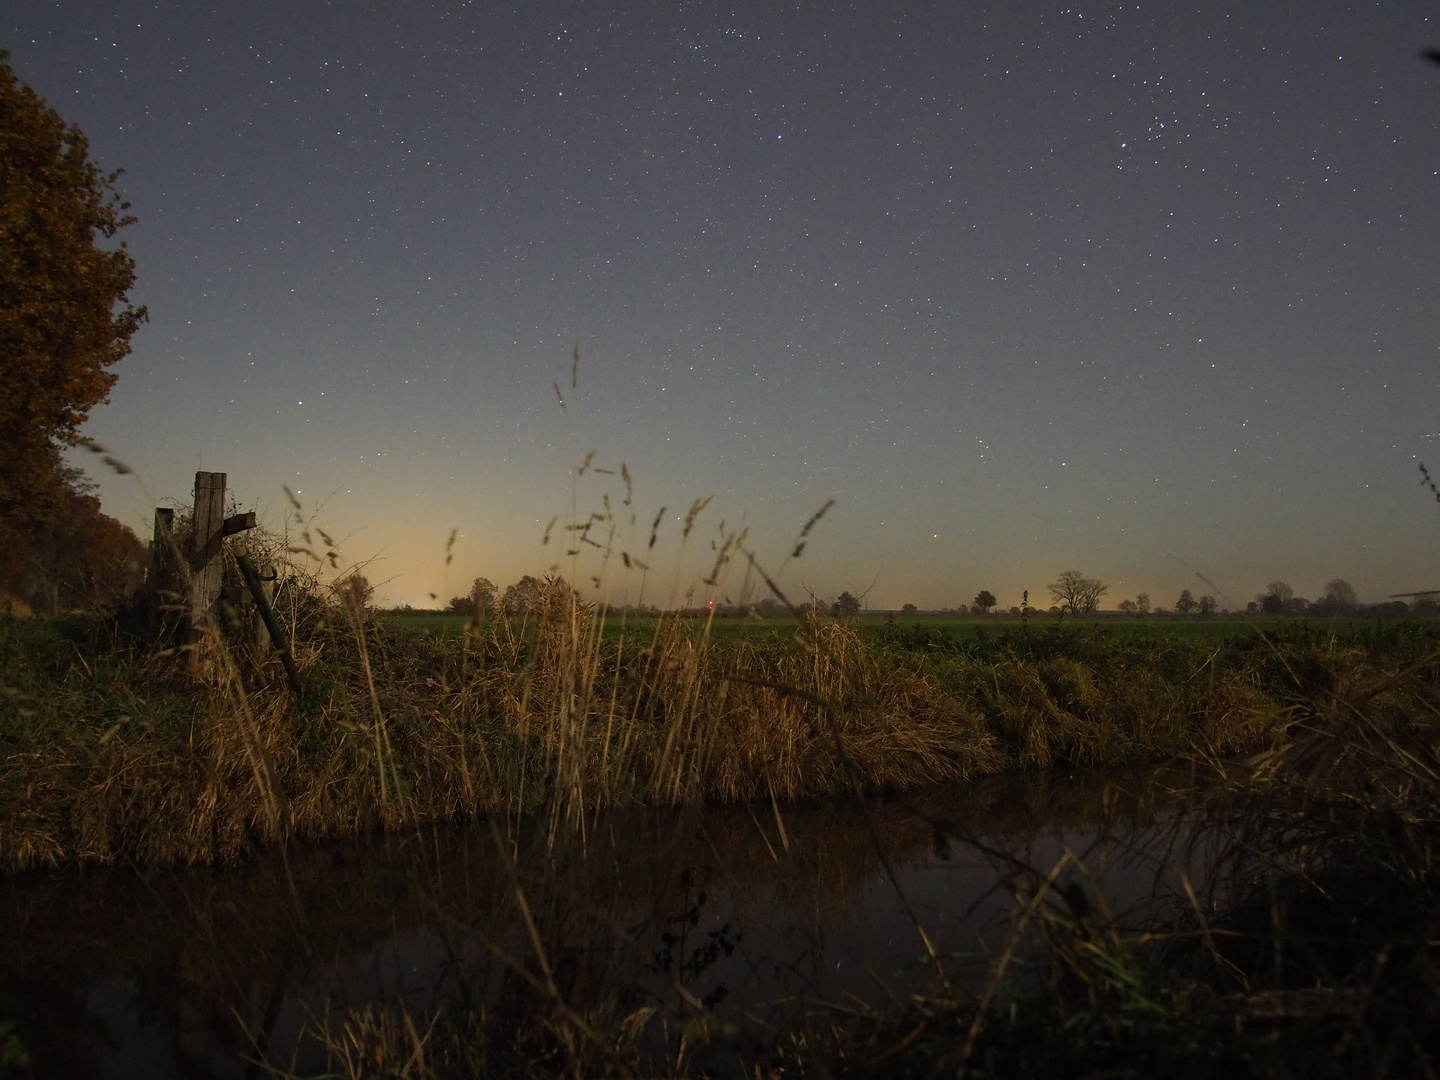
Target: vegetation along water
{"points": [[1298, 756]]}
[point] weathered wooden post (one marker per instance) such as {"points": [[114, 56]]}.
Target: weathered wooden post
{"points": [[265, 571], [205, 560], [161, 548], [272, 624], [162, 581], [207, 568]]}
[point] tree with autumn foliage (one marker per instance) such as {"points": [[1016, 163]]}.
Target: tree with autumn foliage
{"points": [[65, 317]]}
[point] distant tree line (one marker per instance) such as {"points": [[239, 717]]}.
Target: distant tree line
{"points": [[1074, 593]]}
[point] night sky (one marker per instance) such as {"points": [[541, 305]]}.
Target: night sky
{"points": [[1130, 289]]}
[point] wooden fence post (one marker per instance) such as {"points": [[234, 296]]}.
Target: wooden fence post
{"points": [[266, 571], [160, 554], [206, 548]]}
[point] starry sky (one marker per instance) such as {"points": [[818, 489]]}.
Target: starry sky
{"points": [[1143, 290]]}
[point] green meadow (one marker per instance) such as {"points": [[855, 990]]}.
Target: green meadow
{"points": [[934, 627]]}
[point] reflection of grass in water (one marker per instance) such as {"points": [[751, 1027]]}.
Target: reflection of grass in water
{"points": [[601, 902]]}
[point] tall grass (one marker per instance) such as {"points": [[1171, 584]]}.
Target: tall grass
{"points": [[111, 751]]}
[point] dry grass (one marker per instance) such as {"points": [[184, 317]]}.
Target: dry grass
{"points": [[111, 752]]}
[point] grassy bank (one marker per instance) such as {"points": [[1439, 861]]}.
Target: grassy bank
{"points": [[1313, 953], [1311, 949], [110, 750]]}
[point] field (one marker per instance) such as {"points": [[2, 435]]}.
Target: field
{"points": [[958, 628]]}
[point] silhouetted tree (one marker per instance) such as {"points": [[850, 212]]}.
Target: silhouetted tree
{"points": [[1142, 603], [1339, 599], [1206, 605], [985, 600], [481, 599], [1127, 607], [908, 609], [1078, 594], [1276, 595], [1186, 603], [479, 602], [846, 605], [525, 597]]}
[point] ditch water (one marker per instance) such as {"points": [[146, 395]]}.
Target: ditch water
{"points": [[752, 913]]}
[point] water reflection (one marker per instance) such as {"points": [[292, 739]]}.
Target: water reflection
{"points": [[749, 913]]}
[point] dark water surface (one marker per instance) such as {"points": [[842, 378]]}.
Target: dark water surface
{"points": [[754, 912]]}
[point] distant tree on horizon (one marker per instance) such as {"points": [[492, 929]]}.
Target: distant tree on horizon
{"points": [[846, 605], [1142, 603], [985, 600], [525, 597], [908, 609], [1186, 603], [1275, 598], [479, 602], [1206, 605], [1078, 594], [1340, 598], [1128, 607]]}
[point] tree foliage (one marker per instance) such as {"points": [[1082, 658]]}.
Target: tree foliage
{"points": [[479, 602], [90, 560], [1275, 597], [1078, 594], [985, 600], [1340, 596], [64, 313], [847, 604], [525, 597]]}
